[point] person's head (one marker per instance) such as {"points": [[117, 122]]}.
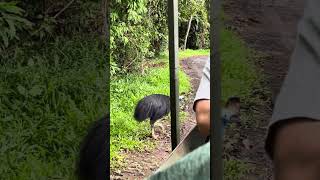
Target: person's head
{"points": [[93, 161]]}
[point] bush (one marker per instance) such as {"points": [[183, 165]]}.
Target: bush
{"points": [[48, 98], [139, 30], [12, 21]]}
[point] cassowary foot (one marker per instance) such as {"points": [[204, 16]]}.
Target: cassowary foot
{"points": [[161, 126], [153, 135]]}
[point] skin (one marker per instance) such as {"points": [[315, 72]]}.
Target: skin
{"points": [[297, 150], [296, 145], [202, 110]]}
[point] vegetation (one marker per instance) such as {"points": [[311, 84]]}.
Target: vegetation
{"points": [[235, 169], [126, 91], [238, 78], [53, 76], [139, 30], [53, 84]]}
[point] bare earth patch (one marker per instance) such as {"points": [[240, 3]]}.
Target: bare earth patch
{"points": [[139, 165], [267, 28]]}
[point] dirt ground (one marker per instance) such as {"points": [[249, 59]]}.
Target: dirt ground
{"points": [[141, 164], [269, 28], [266, 26]]}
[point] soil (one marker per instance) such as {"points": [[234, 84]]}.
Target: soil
{"points": [[141, 164], [268, 27]]}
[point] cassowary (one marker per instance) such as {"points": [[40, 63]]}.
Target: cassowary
{"points": [[156, 106]]}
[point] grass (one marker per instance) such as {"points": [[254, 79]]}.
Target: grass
{"points": [[235, 169], [239, 76], [126, 91], [189, 53], [49, 96]]}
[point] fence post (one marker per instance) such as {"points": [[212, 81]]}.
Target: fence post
{"points": [[216, 148], [174, 63]]}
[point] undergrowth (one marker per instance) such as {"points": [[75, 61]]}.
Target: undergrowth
{"points": [[49, 96], [126, 91], [238, 78]]}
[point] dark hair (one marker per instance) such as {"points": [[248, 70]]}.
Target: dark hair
{"points": [[93, 162]]}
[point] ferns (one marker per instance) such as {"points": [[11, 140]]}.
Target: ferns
{"points": [[11, 22]]}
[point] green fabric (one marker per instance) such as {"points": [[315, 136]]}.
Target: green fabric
{"points": [[195, 165]]}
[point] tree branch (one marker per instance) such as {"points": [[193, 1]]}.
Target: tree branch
{"points": [[63, 9]]}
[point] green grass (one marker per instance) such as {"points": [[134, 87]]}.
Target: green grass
{"points": [[239, 74], [189, 52], [238, 78], [49, 96], [126, 91], [235, 169]]}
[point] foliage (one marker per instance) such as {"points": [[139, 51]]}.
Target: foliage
{"points": [[53, 84], [159, 25], [49, 96], [200, 25], [130, 36], [12, 21], [238, 77], [43, 21], [235, 169], [126, 133], [139, 30]]}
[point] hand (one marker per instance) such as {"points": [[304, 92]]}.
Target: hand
{"points": [[203, 116]]}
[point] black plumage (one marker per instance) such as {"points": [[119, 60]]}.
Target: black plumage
{"points": [[154, 106]]}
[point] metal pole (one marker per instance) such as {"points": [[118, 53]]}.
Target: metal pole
{"points": [[173, 63], [216, 161], [106, 34]]}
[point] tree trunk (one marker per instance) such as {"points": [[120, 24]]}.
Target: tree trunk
{"points": [[187, 34]]}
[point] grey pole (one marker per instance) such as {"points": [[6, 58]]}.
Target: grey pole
{"points": [[216, 148], [173, 63], [106, 38]]}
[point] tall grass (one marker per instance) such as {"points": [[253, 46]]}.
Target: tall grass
{"points": [[49, 96], [126, 91], [239, 76]]}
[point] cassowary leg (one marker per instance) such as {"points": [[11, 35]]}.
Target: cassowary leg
{"points": [[161, 126], [152, 131]]}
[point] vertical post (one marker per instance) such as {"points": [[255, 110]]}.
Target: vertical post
{"points": [[106, 44], [173, 63], [106, 39], [216, 161]]}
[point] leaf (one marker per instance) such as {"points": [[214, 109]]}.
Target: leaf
{"points": [[12, 29], [30, 62], [11, 8], [4, 38], [20, 19], [35, 90], [21, 90]]}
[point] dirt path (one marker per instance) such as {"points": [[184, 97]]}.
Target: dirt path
{"points": [[269, 29], [141, 164]]}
